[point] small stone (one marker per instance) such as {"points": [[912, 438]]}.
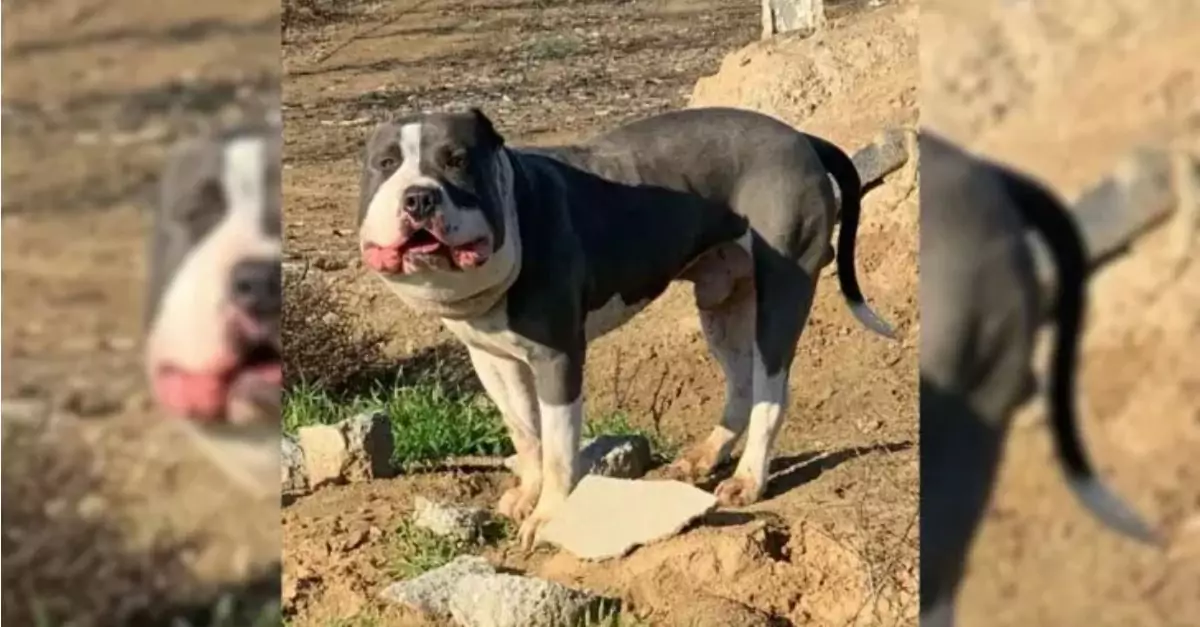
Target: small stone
{"points": [[324, 452], [429, 594], [619, 456], [502, 600], [295, 481], [369, 436], [462, 523], [649, 511], [353, 450]]}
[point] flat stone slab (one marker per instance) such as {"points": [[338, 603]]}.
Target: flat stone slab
{"points": [[605, 518], [429, 594]]}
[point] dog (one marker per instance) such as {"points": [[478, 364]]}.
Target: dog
{"points": [[528, 254], [214, 294], [981, 307]]}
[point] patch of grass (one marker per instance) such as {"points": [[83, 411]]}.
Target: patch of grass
{"points": [[415, 551], [429, 421]]}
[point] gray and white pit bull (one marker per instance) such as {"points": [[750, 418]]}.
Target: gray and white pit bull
{"points": [[214, 301], [981, 306], [528, 254]]}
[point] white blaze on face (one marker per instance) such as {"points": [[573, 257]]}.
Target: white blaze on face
{"points": [[189, 330], [381, 225]]}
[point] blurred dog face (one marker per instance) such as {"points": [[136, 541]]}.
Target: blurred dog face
{"points": [[213, 346], [436, 210]]}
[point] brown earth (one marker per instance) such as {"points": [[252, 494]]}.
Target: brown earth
{"points": [[107, 510], [834, 542], [1065, 89]]}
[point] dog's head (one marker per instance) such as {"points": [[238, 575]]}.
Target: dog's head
{"points": [[213, 346], [436, 215]]}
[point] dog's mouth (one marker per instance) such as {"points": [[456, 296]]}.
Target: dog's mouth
{"points": [[423, 242], [422, 250], [243, 392]]}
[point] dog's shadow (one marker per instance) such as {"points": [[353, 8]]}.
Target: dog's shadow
{"points": [[790, 472]]}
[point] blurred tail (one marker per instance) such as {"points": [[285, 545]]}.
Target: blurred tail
{"points": [[842, 168], [1052, 221]]}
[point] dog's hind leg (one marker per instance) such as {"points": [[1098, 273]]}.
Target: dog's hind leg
{"points": [[783, 297], [724, 289]]}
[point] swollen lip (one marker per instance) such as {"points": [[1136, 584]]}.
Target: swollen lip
{"points": [[205, 396]]}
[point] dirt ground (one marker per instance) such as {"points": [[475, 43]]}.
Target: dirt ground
{"points": [[108, 513], [1071, 86], [834, 542]]}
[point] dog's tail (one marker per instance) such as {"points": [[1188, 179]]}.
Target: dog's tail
{"points": [[1041, 210], [850, 186]]}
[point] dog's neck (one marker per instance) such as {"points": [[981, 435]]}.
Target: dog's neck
{"points": [[470, 294]]}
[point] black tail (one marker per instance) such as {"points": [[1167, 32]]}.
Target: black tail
{"points": [[1049, 217], [842, 168]]}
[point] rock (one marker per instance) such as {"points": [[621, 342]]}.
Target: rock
{"points": [[429, 594], [371, 444], [325, 455], [887, 152], [295, 480], [587, 527], [782, 16], [619, 456], [356, 449], [463, 523], [501, 600]]}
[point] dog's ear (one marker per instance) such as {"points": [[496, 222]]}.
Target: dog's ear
{"points": [[487, 130]]}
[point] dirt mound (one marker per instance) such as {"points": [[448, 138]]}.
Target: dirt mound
{"points": [[717, 576], [850, 80]]}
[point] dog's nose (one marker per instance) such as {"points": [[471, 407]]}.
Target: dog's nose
{"points": [[257, 286], [421, 202]]}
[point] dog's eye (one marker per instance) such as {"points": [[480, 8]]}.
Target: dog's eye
{"points": [[456, 160], [386, 163], [203, 209]]}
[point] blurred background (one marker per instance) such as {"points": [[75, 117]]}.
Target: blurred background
{"points": [[110, 516], [1065, 90]]}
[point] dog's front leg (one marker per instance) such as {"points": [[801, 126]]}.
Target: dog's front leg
{"points": [[558, 378], [509, 383]]}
